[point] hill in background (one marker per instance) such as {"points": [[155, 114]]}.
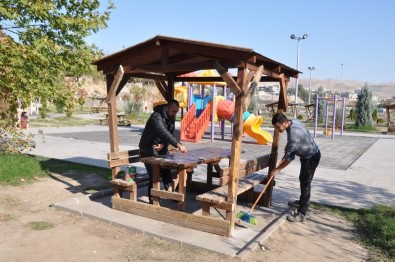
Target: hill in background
{"points": [[382, 90]]}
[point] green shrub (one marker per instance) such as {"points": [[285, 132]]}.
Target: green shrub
{"points": [[374, 115], [379, 121], [13, 140], [300, 117]]}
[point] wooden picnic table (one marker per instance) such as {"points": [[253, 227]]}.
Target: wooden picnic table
{"points": [[184, 163], [122, 120]]}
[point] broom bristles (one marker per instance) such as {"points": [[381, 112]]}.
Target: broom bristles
{"points": [[247, 217]]}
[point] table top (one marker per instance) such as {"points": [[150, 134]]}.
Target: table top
{"points": [[191, 159], [118, 114]]}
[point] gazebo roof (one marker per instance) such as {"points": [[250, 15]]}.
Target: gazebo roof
{"points": [[163, 57]]}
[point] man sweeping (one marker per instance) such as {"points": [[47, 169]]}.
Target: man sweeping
{"points": [[301, 144]]}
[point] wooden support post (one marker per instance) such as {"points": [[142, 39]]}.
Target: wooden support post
{"points": [[282, 105], [267, 197], [170, 90], [112, 122], [156, 184], [236, 146], [182, 187], [209, 175]]}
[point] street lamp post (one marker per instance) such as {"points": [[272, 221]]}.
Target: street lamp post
{"points": [[297, 64], [311, 68]]}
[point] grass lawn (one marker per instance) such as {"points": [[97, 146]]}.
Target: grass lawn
{"points": [[375, 228], [61, 121], [17, 169]]}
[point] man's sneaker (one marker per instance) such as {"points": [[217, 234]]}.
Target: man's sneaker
{"points": [[297, 217], [294, 204]]}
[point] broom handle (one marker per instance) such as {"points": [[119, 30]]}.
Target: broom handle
{"points": [[261, 194]]}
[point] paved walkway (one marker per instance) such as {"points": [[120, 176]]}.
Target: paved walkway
{"points": [[356, 171]]}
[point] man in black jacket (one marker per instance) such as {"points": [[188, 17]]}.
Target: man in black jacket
{"points": [[158, 134]]}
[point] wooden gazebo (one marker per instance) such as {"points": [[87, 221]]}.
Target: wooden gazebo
{"points": [[164, 58]]}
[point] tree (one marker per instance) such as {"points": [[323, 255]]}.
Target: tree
{"points": [[364, 108], [303, 94], [43, 43]]}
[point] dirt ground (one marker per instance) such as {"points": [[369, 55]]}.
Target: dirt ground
{"points": [[323, 237]]}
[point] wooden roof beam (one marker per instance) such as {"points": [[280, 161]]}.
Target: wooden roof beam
{"points": [[283, 100], [252, 88], [190, 67], [119, 58], [115, 83], [227, 77], [215, 51], [162, 87]]}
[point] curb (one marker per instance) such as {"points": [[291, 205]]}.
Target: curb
{"points": [[262, 236]]}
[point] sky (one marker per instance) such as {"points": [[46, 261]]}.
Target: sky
{"points": [[347, 39]]}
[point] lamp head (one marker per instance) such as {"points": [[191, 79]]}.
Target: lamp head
{"points": [[293, 36], [304, 36]]}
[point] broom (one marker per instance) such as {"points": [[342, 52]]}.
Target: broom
{"points": [[247, 217]]}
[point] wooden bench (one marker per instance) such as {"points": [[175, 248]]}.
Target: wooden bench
{"points": [[217, 198], [117, 159], [245, 168]]}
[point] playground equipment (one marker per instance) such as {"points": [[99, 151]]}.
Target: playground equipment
{"points": [[334, 101], [192, 128], [181, 95], [201, 108]]}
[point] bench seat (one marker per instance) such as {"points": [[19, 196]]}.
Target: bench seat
{"points": [[218, 197], [117, 159], [246, 167]]}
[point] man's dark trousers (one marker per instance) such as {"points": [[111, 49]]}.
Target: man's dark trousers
{"points": [[308, 167]]}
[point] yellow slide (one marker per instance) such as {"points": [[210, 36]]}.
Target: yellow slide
{"points": [[251, 126]]}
